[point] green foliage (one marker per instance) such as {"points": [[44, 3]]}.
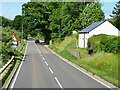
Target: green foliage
{"points": [[7, 52], [39, 36], [57, 20], [65, 53], [17, 23], [110, 44], [116, 15], [7, 33], [91, 13], [68, 42], [107, 43], [103, 64], [6, 75], [35, 19], [116, 11], [29, 36], [5, 22], [62, 18], [5, 45], [116, 21]]}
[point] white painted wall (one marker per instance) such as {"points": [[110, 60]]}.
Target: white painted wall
{"points": [[81, 41], [104, 28]]}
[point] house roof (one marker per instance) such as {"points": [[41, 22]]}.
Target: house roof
{"points": [[91, 27]]}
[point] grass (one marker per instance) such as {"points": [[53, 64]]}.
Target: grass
{"points": [[64, 53], [5, 76], [104, 65], [69, 42]]}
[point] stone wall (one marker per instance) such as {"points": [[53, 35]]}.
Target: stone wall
{"points": [[73, 52]]}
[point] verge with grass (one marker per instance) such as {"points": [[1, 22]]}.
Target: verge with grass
{"points": [[6, 75], [102, 64]]}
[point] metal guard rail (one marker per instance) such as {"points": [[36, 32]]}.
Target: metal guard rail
{"points": [[6, 65]]}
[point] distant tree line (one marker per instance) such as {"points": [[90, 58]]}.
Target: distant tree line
{"points": [[55, 20]]}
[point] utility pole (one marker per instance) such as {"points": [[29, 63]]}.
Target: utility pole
{"points": [[22, 31]]}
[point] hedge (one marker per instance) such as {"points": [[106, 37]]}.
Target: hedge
{"points": [[106, 43]]}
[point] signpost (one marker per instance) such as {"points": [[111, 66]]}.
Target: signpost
{"points": [[14, 42], [14, 38]]}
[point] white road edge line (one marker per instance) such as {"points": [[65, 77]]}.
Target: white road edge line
{"points": [[51, 70], [79, 69], [46, 63], [58, 83], [14, 80]]}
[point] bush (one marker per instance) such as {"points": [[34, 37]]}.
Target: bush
{"points": [[110, 44], [102, 42]]}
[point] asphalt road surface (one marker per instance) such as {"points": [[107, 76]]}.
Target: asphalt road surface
{"points": [[43, 69]]}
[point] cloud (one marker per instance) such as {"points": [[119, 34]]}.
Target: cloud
{"points": [[109, 0]]}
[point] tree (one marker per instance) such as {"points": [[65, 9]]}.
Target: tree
{"points": [[17, 23], [58, 19], [35, 19], [116, 11], [116, 15], [62, 18], [91, 13], [6, 39], [5, 22]]}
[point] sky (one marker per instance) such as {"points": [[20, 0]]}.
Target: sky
{"points": [[11, 8]]}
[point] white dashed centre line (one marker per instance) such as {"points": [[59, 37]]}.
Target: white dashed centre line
{"points": [[46, 63], [43, 58], [59, 83], [51, 70]]}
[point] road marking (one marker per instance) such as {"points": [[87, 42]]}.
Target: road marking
{"points": [[38, 49], [46, 63], [43, 58], [58, 83], [24, 56], [14, 80], [70, 63], [51, 70], [41, 55]]}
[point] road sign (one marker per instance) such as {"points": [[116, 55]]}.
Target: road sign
{"points": [[14, 38]]}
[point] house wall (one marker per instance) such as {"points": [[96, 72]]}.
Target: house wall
{"points": [[105, 28], [83, 39]]}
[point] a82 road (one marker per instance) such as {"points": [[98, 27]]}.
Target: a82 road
{"points": [[43, 69]]}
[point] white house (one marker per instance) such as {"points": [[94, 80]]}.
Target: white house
{"points": [[102, 27]]}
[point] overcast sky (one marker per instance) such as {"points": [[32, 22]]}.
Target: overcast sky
{"points": [[11, 8]]}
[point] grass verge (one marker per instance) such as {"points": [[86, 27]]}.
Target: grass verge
{"points": [[5, 76], [104, 65]]}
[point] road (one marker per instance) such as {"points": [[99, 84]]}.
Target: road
{"points": [[43, 69]]}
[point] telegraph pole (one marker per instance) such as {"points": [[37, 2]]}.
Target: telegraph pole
{"points": [[22, 31]]}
